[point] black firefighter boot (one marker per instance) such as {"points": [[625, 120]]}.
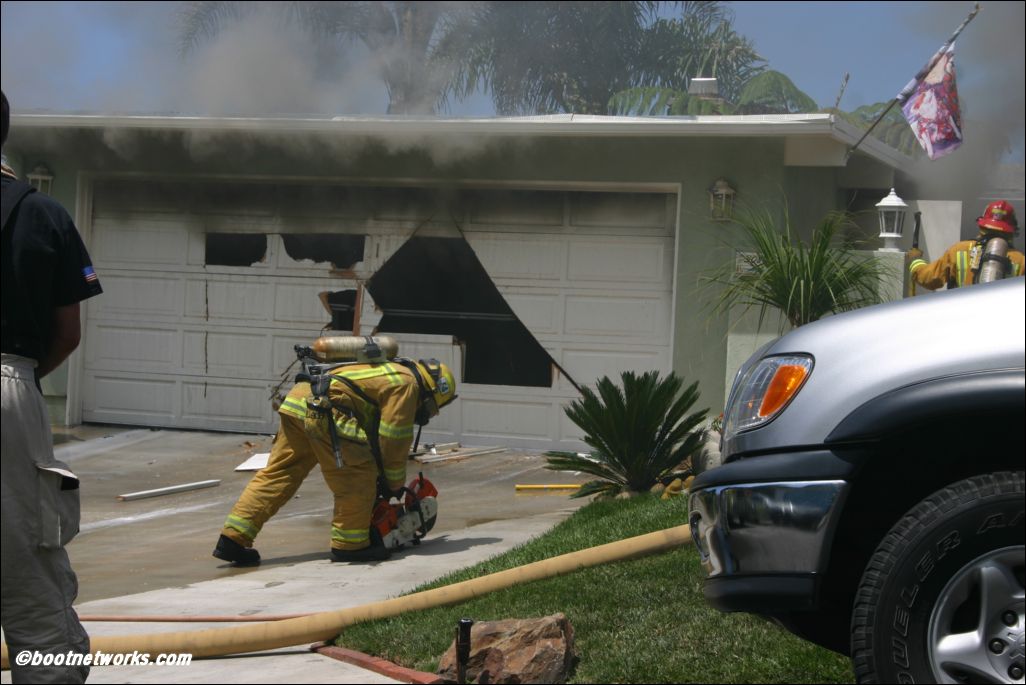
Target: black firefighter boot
{"points": [[229, 550], [375, 552]]}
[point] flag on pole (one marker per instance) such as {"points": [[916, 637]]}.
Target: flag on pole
{"points": [[930, 101]]}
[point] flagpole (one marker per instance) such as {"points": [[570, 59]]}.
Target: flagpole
{"points": [[925, 70]]}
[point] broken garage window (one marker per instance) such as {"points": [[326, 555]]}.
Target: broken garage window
{"points": [[438, 286], [342, 305], [343, 250], [235, 249]]}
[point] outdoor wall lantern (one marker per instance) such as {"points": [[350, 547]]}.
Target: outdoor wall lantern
{"points": [[721, 200], [892, 220], [41, 178]]}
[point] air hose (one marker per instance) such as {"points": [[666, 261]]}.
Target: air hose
{"points": [[326, 625]]}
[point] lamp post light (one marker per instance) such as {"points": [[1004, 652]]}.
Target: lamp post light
{"points": [[892, 220], [721, 200]]}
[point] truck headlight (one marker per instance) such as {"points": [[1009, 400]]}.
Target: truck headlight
{"points": [[765, 390]]}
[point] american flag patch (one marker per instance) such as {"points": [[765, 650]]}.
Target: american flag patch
{"points": [[90, 275]]}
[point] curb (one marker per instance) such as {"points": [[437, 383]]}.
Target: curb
{"points": [[378, 665]]}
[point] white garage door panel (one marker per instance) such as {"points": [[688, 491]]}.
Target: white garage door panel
{"points": [[497, 419], [301, 304], [517, 209], [541, 313], [119, 346], [614, 261], [587, 366], [148, 400], [221, 353], [138, 296], [232, 301], [629, 211], [135, 243], [224, 400], [511, 257], [637, 317]]}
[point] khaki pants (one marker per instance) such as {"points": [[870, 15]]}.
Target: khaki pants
{"points": [[39, 514], [293, 455]]}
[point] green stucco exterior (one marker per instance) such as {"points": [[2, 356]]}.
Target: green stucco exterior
{"points": [[755, 166]]}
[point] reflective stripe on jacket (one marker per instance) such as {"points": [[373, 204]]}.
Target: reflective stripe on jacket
{"points": [[391, 387], [955, 267]]}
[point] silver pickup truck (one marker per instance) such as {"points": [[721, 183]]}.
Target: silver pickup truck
{"points": [[871, 495]]}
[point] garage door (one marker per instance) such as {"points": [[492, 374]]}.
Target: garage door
{"points": [[209, 286]]}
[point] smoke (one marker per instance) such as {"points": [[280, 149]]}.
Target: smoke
{"points": [[989, 61]]}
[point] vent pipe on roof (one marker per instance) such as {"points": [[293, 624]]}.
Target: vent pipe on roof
{"points": [[704, 88]]}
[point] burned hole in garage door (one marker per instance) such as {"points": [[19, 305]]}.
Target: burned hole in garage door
{"points": [[438, 286], [343, 250], [235, 249], [342, 307]]}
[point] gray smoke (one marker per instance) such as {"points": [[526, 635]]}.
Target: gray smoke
{"points": [[989, 62]]}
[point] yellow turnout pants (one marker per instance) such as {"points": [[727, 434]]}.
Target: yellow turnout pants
{"points": [[293, 454]]}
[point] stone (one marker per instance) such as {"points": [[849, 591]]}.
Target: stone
{"points": [[533, 650]]}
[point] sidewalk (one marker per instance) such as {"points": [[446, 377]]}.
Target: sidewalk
{"points": [[309, 586]]}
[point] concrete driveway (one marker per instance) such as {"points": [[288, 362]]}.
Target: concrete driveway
{"points": [[152, 556]]}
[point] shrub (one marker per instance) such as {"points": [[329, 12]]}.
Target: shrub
{"points": [[640, 434]]}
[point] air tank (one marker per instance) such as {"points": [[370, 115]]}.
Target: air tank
{"points": [[995, 260], [378, 348]]}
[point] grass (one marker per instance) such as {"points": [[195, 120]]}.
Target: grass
{"points": [[635, 621]]}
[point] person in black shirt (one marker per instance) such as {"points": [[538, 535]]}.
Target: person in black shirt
{"points": [[46, 274]]}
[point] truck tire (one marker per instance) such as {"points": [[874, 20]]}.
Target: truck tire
{"points": [[942, 599]]}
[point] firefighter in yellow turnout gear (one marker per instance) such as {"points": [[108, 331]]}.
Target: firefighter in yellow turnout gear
{"points": [[379, 402], [961, 264]]}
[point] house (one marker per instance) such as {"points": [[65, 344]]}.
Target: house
{"points": [[531, 254]]}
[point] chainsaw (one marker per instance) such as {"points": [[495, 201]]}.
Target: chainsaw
{"points": [[408, 519]]}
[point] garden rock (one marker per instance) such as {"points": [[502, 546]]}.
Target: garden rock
{"points": [[535, 650]]}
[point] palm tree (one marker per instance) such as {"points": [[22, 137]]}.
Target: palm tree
{"points": [[639, 434], [401, 36], [805, 282], [546, 57], [702, 42]]}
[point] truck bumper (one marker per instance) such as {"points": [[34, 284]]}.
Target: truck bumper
{"points": [[764, 545]]}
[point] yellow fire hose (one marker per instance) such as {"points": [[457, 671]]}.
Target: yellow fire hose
{"points": [[326, 625]]}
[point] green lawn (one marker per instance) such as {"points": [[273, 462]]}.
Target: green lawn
{"points": [[635, 621]]}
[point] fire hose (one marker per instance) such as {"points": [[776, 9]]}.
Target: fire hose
{"points": [[326, 625]]}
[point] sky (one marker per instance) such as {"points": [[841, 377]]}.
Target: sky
{"points": [[123, 57]]}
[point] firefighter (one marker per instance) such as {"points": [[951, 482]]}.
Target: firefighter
{"points": [[373, 407], [969, 261]]}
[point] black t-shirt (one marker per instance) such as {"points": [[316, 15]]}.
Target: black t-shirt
{"points": [[44, 266]]}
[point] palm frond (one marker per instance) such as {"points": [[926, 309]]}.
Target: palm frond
{"points": [[803, 281]]}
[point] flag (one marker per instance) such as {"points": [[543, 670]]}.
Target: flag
{"points": [[930, 101]]}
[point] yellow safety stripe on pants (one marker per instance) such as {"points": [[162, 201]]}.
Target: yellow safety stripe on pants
{"points": [[396, 475], [242, 525], [395, 431], [350, 536], [961, 259], [293, 408]]}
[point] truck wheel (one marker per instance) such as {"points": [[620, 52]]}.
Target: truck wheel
{"points": [[942, 598]]}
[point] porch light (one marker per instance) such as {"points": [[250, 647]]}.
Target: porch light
{"points": [[41, 178], [892, 220], [721, 200]]}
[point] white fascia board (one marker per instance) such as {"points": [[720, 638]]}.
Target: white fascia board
{"points": [[557, 125]]}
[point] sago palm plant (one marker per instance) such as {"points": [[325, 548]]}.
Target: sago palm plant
{"points": [[639, 434], [805, 282]]}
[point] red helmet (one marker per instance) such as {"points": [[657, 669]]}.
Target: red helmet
{"points": [[999, 216]]}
